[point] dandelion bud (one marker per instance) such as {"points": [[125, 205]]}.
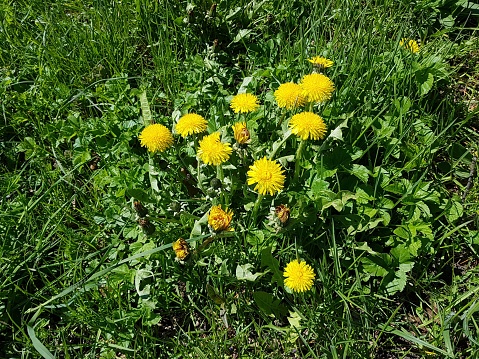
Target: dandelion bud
{"points": [[241, 133], [140, 209], [216, 183], [147, 226], [282, 212]]}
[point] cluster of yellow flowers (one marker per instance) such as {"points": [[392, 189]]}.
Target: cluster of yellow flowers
{"points": [[266, 174], [410, 45]]}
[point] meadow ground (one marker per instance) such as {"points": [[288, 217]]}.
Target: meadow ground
{"points": [[332, 212]]}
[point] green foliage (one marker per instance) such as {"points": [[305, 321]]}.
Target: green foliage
{"points": [[381, 208]]}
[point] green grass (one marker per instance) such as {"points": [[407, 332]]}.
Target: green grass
{"points": [[378, 214]]}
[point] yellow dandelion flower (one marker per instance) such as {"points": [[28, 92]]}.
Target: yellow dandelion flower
{"points": [[268, 176], [410, 45], [308, 125], [317, 87], [289, 95], [244, 102], [321, 62], [212, 151], [241, 133], [190, 124], [220, 220], [156, 138], [181, 248], [299, 276]]}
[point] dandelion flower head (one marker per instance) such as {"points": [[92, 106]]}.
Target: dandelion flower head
{"points": [[190, 124], [308, 125], [244, 103], [220, 219], [181, 248], [241, 133], [299, 276], [410, 45], [321, 62], [268, 176], [317, 87], [156, 138], [212, 151], [289, 95]]}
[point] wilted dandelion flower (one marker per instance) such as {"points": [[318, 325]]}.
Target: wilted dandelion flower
{"points": [[212, 151], [308, 125], [410, 45], [190, 124], [181, 248], [289, 95], [156, 138], [244, 102], [321, 62], [317, 87], [220, 220], [241, 133], [299, 276], [268, 176], [282, 213]]}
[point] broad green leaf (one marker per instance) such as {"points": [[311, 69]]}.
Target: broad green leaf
{"points": [[244, 84], [425, 80], [294, 320], [213, 294], [455, 211], [267, 260], [394, 282], [242, 34], [81, 157], [139, 276], [401, 254], [377, 265], [243, 272], [361, 172], [401, 232], [337, 133], [269, 305]]}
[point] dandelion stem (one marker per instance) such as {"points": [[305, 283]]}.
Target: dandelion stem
{"points": [[198, 169], [282, 118], [219, 173], [276, 147], [297, 160], [256, 208]]}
